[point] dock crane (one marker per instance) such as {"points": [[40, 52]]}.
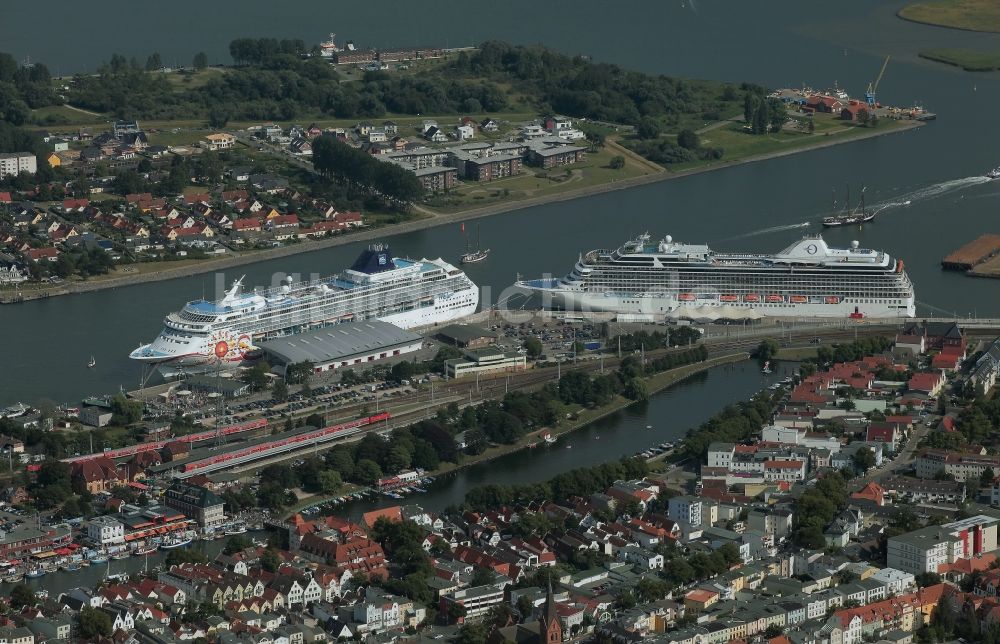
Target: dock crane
{"points": [[873, 87]]}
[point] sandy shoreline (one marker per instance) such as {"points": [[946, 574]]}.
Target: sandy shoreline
{"points": [[210, 266]]}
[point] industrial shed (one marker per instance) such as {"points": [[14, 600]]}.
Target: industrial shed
{"points": [[342, 345]]}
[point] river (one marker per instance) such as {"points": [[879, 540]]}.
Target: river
{"points": [[755, 207]]}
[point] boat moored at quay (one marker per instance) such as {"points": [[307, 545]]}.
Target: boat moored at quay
{"points": [[405, 292], [669, 279]]}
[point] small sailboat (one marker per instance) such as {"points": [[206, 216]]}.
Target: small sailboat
{"points": [[92, 363], [473, 256]]}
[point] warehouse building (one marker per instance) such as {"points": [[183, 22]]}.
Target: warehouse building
{"points": [[343, 345], [466, 336]]}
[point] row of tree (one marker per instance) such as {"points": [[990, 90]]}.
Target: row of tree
{"points": [[583, 481], [338, 161]]}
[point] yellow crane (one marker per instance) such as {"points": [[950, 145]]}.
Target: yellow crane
{"points": [[873, 87]]}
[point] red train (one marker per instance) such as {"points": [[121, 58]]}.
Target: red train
{"points": [[158, 445], [262, 449]]}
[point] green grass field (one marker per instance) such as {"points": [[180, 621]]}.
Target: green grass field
{"points": [[974, 15], [739, 144], [535, 182], [968, 59]]}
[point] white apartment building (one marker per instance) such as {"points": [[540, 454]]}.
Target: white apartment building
{"points": [[721, 454], [687, 509], [477, 601], [925, 550], [14, 163], [896, 582], [105, 531]]}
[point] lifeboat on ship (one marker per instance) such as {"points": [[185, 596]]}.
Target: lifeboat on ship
{"points": [[857, 315], [798, 299], [831, 299], [686, 297], [751, 297], [729, 298], [774, 299]]}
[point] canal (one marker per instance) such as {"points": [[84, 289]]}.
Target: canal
{"points": [[665, 417]]}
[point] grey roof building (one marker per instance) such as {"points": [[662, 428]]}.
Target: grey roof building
{"points": [[343, 345]]}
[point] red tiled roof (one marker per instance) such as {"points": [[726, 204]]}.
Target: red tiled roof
{"points": [[393, 513], [783, 465]]}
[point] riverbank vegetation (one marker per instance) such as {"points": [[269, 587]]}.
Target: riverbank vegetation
{"points": [[734, 424], [968, 59], [971, 15], [582, 481]]}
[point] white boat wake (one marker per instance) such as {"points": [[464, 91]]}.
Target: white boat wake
{"points": [[932, 191]]}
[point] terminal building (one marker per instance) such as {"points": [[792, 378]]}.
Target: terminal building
{"points": [[349, 344], [486, 360]]}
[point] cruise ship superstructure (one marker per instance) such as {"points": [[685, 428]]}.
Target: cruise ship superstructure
{"points": [[407, 293], [669, 279]]}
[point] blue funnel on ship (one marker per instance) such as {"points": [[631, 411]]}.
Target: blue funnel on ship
{"points": [[375, 259]]}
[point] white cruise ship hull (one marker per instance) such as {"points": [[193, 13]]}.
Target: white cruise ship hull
{"points": [[667, 307], [668, 279]]}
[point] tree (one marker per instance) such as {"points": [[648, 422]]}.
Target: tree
{"points": [[635, 389], [862, 117], [367, 471], [93, 623], [617, 162], [863, 459], [525, 607], [218, 117], [256, 376], [767, 349], [772, 631], [811, 126], [688, 139], [20, 596], [401, 371], [279, 390], [200, 61], [648, 129], [469, 633], [926, 579], [184, 555], [153, 63], [328, 481], [269, 560], [237, 543], [987, 477], [760, 118], [533, 347]]}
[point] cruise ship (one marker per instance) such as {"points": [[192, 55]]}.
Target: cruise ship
{"points": [[669, 279], [405, 292]]}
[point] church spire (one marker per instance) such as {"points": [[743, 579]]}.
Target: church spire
{"points": [[551, 629]]}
